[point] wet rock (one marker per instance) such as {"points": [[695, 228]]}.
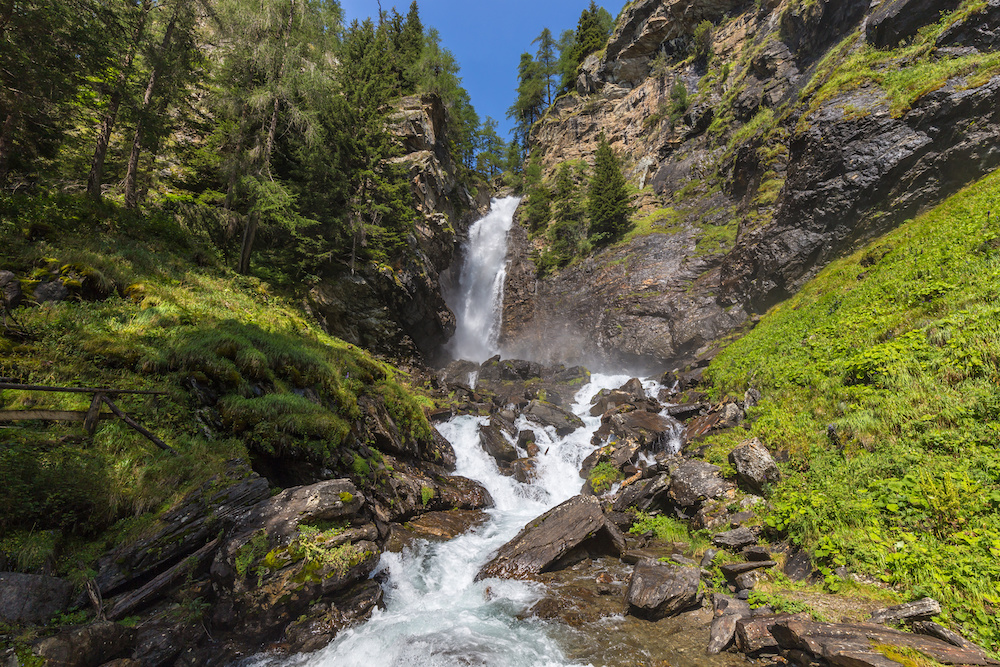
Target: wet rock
{"points": [[647, 430], [495, 442], [10, 291], [919, 610], [896, 20], [86, 646], [323, 621], [851, 644], [459, 372], [158, 642], [735, 539], [50, 292], [547, 414], [523, 470], [754, 634], [442, 526], [526, 439], [551, 539], [693, 482], [410, 490], [755, 468], [30, 598], [658, 590]]}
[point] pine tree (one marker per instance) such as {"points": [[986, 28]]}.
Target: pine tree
{"points": [[530, 103], [608, 201], [492, 149]]}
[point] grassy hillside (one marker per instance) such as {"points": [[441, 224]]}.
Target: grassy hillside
{"points": [[881, 381], [152, 307]]}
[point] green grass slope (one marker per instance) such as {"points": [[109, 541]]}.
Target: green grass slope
{"points": [[881, 381], [153, 307]]}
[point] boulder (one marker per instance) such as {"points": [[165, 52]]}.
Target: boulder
{"points": [[10, 291], [86, 646], [754, 634], [658, 590], [495, 443], [410, 490], [721, 633], [735, 539], [693, 482], [755, 468], [281, 515], [51, 292], [438, 451], [30, 598], [919, 610], [579, 524], [644, 495], [548, 414], [944, 634], [851, 643], [649, 431], [446, 525]]}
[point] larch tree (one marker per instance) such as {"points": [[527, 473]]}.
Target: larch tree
{"points": [[547, 61]]}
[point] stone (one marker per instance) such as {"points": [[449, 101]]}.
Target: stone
{"points": [[799, 566], [446, 525], [721, 633], [50, 292], [980, 30], [548, 414], [658, 590], [30, 598], [495, 442], [944, 634], [281, 515], [686, 411], [735, 539], [851, 643], [747, 581], [10, 291], [579, 524], [523, 470], [87, 646], [755, 468], [756, 553], [731, 570], [731, 417], [708, 557], [754, 634], [694, 481], [724, 605], [918, 610]]}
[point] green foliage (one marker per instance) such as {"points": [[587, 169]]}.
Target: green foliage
{"points": [[879, 378], [608, 203], [426, 495], [603, 477], [701, 42], [250, 553], [669, 529], [779, 603]]}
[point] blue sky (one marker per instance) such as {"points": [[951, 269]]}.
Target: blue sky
{"points": [[487, 39]]}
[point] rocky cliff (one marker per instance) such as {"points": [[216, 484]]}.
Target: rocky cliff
{"points": [[398, 310], [806, 128]]}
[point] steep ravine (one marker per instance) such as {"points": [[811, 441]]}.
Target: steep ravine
{"points": [[804, 134]]}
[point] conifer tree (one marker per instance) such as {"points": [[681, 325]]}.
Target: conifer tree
{"points": [[530, 103], [608, 200], [548, 63]]}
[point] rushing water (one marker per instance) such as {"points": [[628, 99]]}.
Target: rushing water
{"points": [[435, 613], [478, 298]]}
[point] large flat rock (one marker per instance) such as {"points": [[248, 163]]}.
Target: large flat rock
{"points": [[659, 590], [578, 523]]}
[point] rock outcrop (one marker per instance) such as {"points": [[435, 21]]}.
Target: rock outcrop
{"points": [[761, 174], [400, 311]]}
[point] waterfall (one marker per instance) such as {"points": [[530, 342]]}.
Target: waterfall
{"points": [[477, 300]]}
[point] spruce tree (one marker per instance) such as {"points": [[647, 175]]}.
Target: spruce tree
{"points": [[548, 63], [608, 201]]}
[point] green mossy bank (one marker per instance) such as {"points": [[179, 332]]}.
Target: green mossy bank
{"points": [[151, 306], [881, 383]]}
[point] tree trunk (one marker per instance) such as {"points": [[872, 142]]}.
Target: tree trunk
{"points": [[131, 173], [249, 234], [96, 178]]}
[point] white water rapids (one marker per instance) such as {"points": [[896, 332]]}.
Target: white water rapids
{"points": [[435, 613]]}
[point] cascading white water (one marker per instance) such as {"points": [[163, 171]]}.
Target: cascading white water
{"points": [[477, 301], [436, 614]]}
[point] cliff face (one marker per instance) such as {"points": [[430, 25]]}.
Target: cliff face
{"points": [[399, 311], [812, 126]]}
